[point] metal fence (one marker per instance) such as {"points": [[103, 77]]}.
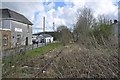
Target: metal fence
{"points": [[20, 50]]}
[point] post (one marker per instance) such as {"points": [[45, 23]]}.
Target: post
{"points": [[54, 31], [43, 24], [44, 30], [53, 26]]}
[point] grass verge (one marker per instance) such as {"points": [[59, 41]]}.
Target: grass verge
{"points": [[23, 58], [42, 50]]}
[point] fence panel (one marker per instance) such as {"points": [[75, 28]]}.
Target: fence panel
{"points": [[20, 50]]}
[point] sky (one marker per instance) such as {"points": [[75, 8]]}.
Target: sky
{"points": [[61, 12]]}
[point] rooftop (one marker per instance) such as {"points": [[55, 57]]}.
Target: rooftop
{"points": [[10, 14], [45, 35]]}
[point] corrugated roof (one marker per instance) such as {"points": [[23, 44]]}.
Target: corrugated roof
{"points": [[9, 14]]}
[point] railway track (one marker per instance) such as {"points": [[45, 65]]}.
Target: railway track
{"points": [[49, 61], [68, 62]]}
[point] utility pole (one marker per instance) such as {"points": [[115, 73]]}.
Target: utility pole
{"points": [[53, 26], [44, 30], [43, 24], [54, 31]]}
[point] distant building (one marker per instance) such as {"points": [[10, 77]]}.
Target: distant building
{"points": [[115, 28], [15, 29], [53, 34], [115, 32], [35, 39], [45, 38]]}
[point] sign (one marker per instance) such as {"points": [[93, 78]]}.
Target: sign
{"points": [[18, 29]]}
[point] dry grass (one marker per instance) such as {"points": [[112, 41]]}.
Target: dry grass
{"points": [[73, 61]]}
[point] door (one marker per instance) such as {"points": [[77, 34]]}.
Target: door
{"points": [[26, 41]]}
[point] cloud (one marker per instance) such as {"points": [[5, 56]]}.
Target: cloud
{"points": [[100, 8], [60, 15], [28, 9]]}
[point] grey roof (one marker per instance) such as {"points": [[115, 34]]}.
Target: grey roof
{"points": [[45, 35], [9, 14]]}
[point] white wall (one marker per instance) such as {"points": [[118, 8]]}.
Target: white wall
{"points": [[49, 39], [23, 32]]}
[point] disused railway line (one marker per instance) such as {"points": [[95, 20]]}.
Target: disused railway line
{"points": [[47, 64], [31, 65], [59, 64]]}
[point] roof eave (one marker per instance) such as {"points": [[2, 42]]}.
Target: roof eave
{"points": [[16, 20]]}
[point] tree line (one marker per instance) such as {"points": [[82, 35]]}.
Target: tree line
{"points": [[88, 30]]}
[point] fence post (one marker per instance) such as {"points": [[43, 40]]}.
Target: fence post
{"points": [[37, 44]]}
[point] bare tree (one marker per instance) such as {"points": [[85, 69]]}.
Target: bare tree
{"points": [[65, 35], [84, 23], [103, 19]]}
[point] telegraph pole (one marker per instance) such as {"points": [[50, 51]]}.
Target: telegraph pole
{"points": [[44, 30], [53, 26], [55, 35], [43, 24]]}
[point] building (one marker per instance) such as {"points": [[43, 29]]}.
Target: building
{"points": [[115, 28], [115, 32], [35, 39], [53, 34], [15, 29], [45, 38]]}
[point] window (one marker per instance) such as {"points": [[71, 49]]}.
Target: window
{"points": [[5, 40], [6, 24], [18, 38], [28, 28]]}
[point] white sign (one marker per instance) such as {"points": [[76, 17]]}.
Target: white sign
{"points": [[18, 29]]}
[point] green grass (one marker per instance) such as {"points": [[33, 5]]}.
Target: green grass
{"points": [[29, 55], [42, 50], [21, 59]]}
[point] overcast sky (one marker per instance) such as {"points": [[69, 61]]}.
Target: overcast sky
{"points": [[61, 12]]}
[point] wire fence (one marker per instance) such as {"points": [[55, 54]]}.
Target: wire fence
{"points": [[20, 50]]}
